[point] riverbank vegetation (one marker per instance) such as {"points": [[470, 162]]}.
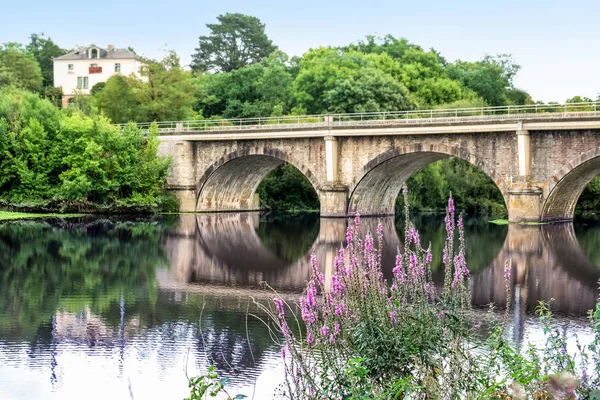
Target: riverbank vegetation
{"points": [[7, 215], [226, 80], [66, 160]]}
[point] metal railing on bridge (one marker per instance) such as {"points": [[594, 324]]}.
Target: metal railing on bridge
{"points": [[432, 116]]}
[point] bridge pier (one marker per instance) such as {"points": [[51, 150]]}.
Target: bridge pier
{"points": [[524, 204], [334, 200], [186, 196]]}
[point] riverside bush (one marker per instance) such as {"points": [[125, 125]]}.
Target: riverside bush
{"points": [[360, 337], [63, 159]]}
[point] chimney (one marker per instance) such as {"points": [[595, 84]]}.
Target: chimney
{"points": [[111, 47]]}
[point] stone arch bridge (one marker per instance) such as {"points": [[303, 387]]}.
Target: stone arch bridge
{"points": [[540, 160]]}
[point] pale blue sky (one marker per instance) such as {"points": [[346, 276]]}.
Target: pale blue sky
{"points": [[557, 43]]}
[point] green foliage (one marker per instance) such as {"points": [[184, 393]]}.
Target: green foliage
{"points": [[332, 80], [473, 191], [117, 100], [163, 94], [590, 197], [19, 68], [166, 93], [491, 78], [209, 385], [68, 157], [98, 87], [287, 189], [236, 41], [261, 90], [44, 50]]}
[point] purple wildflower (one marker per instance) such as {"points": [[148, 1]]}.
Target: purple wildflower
{"points": [[337, 285], [279, 305], [451, 204], [507, 271], [448, 222], [318, 275], [357, 219], [413, 236], [380, 233], [412, 267], [368, 244], [283, 353], [398, 271], [309, 338], [394, 317], [349, 235], [324, 330]]}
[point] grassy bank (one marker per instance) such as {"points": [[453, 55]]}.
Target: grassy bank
{"points": [[506, 222], [8, 215]]}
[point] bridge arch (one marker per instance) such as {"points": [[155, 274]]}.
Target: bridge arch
{"points": [[229, 184], [568, 183], [381, 180]]}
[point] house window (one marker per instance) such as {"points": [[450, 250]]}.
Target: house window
{"points": [[93, 65], [82, 82], [117, 67], [70, 67], [94, 53]]}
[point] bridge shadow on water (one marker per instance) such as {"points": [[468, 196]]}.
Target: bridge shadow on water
{"points": [[241, 250]]}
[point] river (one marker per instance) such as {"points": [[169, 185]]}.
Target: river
{"points": [[125, 308]]}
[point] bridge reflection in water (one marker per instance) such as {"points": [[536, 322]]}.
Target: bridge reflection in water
{"points": [[225, 250]]}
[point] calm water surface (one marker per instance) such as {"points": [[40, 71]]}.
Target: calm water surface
{"points": [[121, 309]]}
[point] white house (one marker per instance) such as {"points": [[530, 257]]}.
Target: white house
{"points": [[80, 70]]}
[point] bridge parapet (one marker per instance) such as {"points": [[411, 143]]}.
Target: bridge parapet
{"points": [[479, 115]]}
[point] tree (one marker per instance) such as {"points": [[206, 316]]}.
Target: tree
{"points": [[97, 88], [117, 100], [369, 90], [50, 155], [236, 41], [19, 68], [259, 90], [333, 80], [44, 50], [165, 93], [490, 78]]}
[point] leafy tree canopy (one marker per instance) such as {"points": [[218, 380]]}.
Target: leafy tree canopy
{"points": [[490, 78], [259, 90], [236, 41], [326, 75], [44, 50], [19, 68], [165, 90]]}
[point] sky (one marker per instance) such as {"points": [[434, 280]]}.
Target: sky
{"points": [[557, 43]]}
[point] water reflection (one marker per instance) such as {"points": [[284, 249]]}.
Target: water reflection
{"points": [[130, 303], [547, 263]]}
